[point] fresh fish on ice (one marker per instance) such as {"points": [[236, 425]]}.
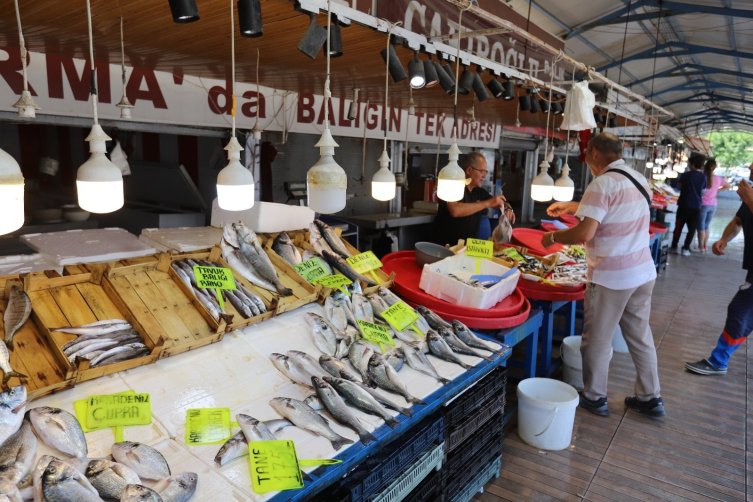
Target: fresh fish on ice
{"points": [[291, 369], [140, 493], [333, 240], [337, 368], [308, 363], [12, 408], [324, 336], [17, 453], [387, 378], [334, 404], [433, 319], [17, 311], [284, 247], [145, 461], [359, 355], [63, 483], [110, 478], [305, 418], [466, 335], [251, 250], [361, 399], [316, 239], [59, 429], [439, 348], [417, 360]]}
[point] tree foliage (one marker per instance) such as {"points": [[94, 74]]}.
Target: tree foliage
{"points": [[731, 149]]}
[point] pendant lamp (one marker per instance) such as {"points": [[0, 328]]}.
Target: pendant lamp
{"points": [[235, 183], [535, 107], [452, 179], [249, 18], [353, 108], [124, 105], [11, 194], [99, 182], [415, 70], [465, 82], [25, 105], [445, 80], [649, 164], [430, 71], [478, 86], [326, 181], [542, 186], [564, 188], [184, 11], [383, 184]]}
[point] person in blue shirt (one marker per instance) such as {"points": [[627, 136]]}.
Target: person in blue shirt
{"points": [[692, 187]]}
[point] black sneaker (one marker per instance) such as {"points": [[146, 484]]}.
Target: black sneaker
{"points": [[704, 367], [652, 408], [597, 406]]}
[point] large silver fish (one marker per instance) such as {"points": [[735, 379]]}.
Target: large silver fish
{"points": [[16, 313], [316, 239], [140, 493], [439, 348], [357, 396], [177, 488], [334, 404], [362, 308], [457, 345], [359, 355], [284, 247], [122, 353], [240, 264], [325, 338], [257, 257], [291, 369], [387, 378], [110, 478], [237, 445], [334, 242], [71, 346], [60, 430], [98, 329], [36, 476], [305, 418], [63, 483], [253, 428], [335, 314], [308, 363], [8, 372], [12, 408], [395, 357], [433, 319], [466, 335], [337, 262], [145, 461], [244, 308], [337, 368], [417, 360], [17, 453]]}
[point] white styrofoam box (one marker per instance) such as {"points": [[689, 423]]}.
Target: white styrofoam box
{"points": [[265, 217], [669, 217], [149, 242], [25, 263], [671, 208], [92, 245], [436, 282], [182, 239]]}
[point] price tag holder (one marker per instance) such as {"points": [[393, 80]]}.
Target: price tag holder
{"points": [[312, 269], [376, 334], [336, 281], [513, 253], [275, 466], [365, 263], [478, 248], [216, 278], [401, 316], [118, 409], [208, 426]]}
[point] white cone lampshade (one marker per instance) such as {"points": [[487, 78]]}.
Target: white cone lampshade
{"points": [[235, 183], [99, 182], [564, 188], [26, 106], [542, 186], [125, 107], [11, 194], [452, 179], [383, 184], [326, 181]]}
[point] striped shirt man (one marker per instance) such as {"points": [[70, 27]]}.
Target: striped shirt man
{"points": [[618, 256]]}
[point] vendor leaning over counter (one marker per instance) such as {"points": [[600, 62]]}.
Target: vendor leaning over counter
{"points": [[462, 219]]}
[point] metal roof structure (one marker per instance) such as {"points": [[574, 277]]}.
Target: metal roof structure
{"points": [[689, 56]]}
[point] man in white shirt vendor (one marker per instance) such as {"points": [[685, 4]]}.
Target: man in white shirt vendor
{"points": [[614, 214], [462, 219]]}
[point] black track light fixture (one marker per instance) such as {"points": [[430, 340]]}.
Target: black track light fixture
{"points": [[613, 121], [416, 72], [184, 11], [496, 88], [466, 81], [451, 74], [544, 105], [445, 80], [478, 86], [535, 108], [525, 102], [598, 117], [313, 39], [430, 72], [249, 18], [397, 72], [556, 108], [336, 46], [509, 86]]}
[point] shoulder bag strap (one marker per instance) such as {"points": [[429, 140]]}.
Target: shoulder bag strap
{"points": [[634, 182]]}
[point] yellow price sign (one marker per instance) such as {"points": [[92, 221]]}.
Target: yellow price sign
{"points": [[336, 281], [312, 269], [82, 408], [400, 316], [118, 409], [275, 466], [216, 278], [477, 248], [513, 253], [365, 263], [208, 426], [375, 333]]}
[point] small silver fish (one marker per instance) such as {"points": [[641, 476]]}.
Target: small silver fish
{"points": [[386, 378], [145, 461], [17, 312], [466, 335], [308, 363], [17, 453], [334, 404], [97, 330], [438, 347], [417, 360], [177, 488], [359, 397], [118, 350], [63, 483], [60, 430], [12, 408], [337, 368], [359, 355], [457, 345]]}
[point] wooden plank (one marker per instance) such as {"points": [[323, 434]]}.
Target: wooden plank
{"points": [[38, 283], [73, 305], [188, 292], [138, 309], [132, 269], [73, 270], [99, 303], [47, 315], [191, 318], [163, 311]]}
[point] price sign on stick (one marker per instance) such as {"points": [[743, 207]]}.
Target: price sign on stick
{"points": [[513, 253], [208, 426], [216, 278], [478, 248], [336, 281], [365, 263], [401, 316], [275, 466], [312, 269], [375, 333], [118, 409]]}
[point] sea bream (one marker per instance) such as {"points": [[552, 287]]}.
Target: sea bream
{"points": [[177, 488], [145, 461], [284, 247], [139, 493], [17, 312], [63, 483], [59, 429], [110, 478], [12, 408], [257, 257], [305, 418], [333, 240], [17, 453], [325, 338], [362, 308]]}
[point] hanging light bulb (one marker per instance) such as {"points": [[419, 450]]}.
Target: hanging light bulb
{"points": [[249, 18], [452, 180], [564, 188], [649, 164], [235, 183], [550, 155], [124, 105], [11, 194], [542, 186], [383, 184], [25, 105], [416, 72]]}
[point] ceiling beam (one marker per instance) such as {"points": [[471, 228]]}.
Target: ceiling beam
{"points": [[698, 70], [713, 97], [684, 50], [705, 84], [705, 111], [733, 40]]}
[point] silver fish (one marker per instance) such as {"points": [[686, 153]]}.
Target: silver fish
{"points": [[457, 345], [361, 399], [122, 350], [316, 239], [324, 337], [214, 310], [63, 483], [337, 368], [240, 264], [237, 445], [110, 478], [60, 430], [70, 346], [257, 257], [140, 493], [10, 492], [17, 453], [308, 363], [359, 355], [241, 306], [8, 372], [335, 314], [98, 330], [17, 311], [100, 345], [378, 305], [347, 308], [334, 404], [132, 353], [254, 429], [253, 298], [145, 461], [343, 346], [388, 296], [417, 360], [439, 348], [433, 319], [340, 295], [395, 358], [291, 369], [177, 488], [337, 262], [284, 247], [12, 408], [466, 335], [386, 378], [362, 308], [36, 476], [333, 240], [308, 255], [306, 418]]}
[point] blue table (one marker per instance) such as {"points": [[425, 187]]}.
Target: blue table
{"points": [[528, 331], [546, 366]]}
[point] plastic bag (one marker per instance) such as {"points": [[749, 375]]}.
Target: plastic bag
{"points": [[120, 159], [579, 114], [503, 231]]}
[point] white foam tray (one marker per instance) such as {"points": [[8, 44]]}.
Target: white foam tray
{"points": [[266, 217], [25, 263], [92, 245], [235, 373], [183, 239]]}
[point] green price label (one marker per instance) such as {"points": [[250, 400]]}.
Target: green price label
{"points": [[118, 409], [477, 248], [364, 262], [334, 281], [375, 333], [400, 316], [208, 426], [312, 269], [274, 466], [216, 278], [513, 253], [82, 409]]}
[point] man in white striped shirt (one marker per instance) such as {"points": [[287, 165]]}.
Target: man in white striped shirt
{"points": [[614, 214]]}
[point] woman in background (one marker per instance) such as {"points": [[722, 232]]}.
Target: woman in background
{"points": [[714, 184]]}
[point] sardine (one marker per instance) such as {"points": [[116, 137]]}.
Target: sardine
{"points": [[334, 404], [306, 418], [361, 399], [334, 242], [386, 378], [466, 335], [177, 488], [316, 239], [8, 372], [359, 355], [98, 330], [362, 308], [17, 311], [139, 493], [17, 453], [457, 345], [257, 257], [63, 483], [324, 337], [240, 264], [237, 445], [338, 263], [60, 430], [417, 360], [284, 247], [308, 363], [433, 319], [291, 369], [145, 461], [337, 368], [12, 408], [124, 350], [439, 348], [110, 478]]}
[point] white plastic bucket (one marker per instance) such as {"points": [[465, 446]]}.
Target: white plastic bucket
{"points": [[618, 342], [572, 361], [546, 412]]}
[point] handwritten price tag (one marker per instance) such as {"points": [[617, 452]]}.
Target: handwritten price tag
{"points": [[312, 269], [275, 466], [375, 333], [216, 278], [400, 316], [118, 409], [513, 253], [364, 262], [208, 426], [334, 281], [477, 248]]}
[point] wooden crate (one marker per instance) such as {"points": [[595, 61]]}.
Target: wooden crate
{"points": [[81, 298], [171, 319]]}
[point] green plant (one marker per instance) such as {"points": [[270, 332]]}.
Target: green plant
{"points": [[731, 148]]}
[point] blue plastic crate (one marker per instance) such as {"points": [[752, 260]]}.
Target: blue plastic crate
{"points": [[454, 437], [491, 470]]}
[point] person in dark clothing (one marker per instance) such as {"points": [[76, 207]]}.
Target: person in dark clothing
{"points": [[461, 219], [692, 187], [739, 322]]}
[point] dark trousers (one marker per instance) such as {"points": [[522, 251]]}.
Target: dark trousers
{"points": [[737, 328], [689, 216]]}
